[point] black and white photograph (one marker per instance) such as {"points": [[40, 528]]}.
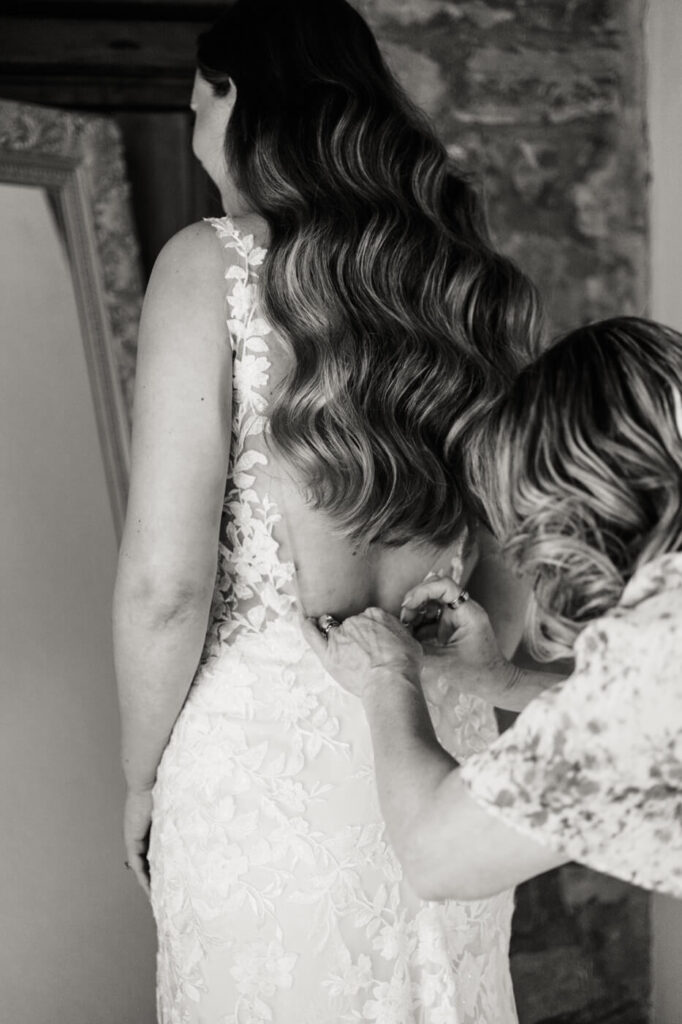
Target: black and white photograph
{"points": [[341, 512]]}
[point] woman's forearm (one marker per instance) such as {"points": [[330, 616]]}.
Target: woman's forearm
{"points": [[410, 764], [501, 683], [157, 649], [524, 686], [449, 847]]}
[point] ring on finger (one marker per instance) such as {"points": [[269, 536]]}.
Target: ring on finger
{"points": [[461, 599], [327, 622]]}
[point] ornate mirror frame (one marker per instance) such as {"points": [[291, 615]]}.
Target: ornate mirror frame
{"points": [[79, 160]]}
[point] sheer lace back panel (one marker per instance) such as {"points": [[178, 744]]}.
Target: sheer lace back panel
{"points": [[255, 582]]}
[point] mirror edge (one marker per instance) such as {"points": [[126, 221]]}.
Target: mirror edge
{"points": [[80, 159]]}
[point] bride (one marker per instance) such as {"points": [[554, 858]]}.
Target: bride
{"points": [[307, 365]]}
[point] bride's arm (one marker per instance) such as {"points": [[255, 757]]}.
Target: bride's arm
{"points": [[181, 440]]}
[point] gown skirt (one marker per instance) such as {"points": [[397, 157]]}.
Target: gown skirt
{"points": [[277, 895]]}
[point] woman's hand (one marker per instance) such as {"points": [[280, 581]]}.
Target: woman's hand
{"points": [[366, 649], [137, 821], [465, 655]]}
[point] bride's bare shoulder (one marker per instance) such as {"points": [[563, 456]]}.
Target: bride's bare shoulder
{"points": [[197, 245], [186, 291], [189, 268], [201, 246]]}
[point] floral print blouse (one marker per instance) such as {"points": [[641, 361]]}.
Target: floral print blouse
{"points": [[593, 767]]}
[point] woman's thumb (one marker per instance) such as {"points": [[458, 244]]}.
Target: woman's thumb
{"points": [[464, 613]]}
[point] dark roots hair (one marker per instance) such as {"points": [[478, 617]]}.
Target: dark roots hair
{"points": [[579, 470], [405, 325]]}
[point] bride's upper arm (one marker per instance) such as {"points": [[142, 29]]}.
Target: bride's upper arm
{"points": [[181, 421]]}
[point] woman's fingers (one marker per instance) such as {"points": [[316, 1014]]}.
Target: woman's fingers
{"points": [[325, 645], [353, 651], [444, 592], [140, 868], [136, 859], [440, 589], [137, 821], [313, 637], [372, 633], [380, 618]]}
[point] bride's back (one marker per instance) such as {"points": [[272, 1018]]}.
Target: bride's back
{"points": [[335, 575], [384, 313], [278, 551]]}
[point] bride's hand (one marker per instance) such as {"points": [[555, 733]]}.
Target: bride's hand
{"points": [[366, 649], [137, 822], [464, 656]]}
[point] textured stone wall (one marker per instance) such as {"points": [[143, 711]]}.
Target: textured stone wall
{"points": [[544, 99]]}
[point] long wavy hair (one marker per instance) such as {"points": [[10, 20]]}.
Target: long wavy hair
{"points": [[578, 470], [403, 322]]}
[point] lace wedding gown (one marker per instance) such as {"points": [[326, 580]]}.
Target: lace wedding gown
{"points": [[276, 893]]}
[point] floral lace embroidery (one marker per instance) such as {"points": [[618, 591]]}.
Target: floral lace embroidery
{"points": [[277, 896], [253, 584]]}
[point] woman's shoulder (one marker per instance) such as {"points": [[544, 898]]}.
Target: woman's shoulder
{"points": [[662, 575], [205, 263], [626, 672], [196, 241], [186, 291], [592, 766], [642, 635], [199, 253], [190, 258]]}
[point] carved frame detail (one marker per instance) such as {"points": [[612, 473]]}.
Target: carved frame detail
{"points": [[79, 159]]}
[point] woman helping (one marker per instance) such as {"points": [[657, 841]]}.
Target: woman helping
{"points": [[578, 470]]}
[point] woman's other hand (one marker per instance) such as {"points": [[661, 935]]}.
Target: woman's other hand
{"points": [[364, 649], [464, 655], [137, 821]]}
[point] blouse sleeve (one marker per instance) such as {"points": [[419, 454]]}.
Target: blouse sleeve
{"points": [[593, 767]]}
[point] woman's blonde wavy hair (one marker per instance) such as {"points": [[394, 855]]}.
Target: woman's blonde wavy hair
{"points": [[405, 325], [578, 470]]}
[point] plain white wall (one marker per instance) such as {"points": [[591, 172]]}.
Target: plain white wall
{"points": [[664, 89], [77, 938]]}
